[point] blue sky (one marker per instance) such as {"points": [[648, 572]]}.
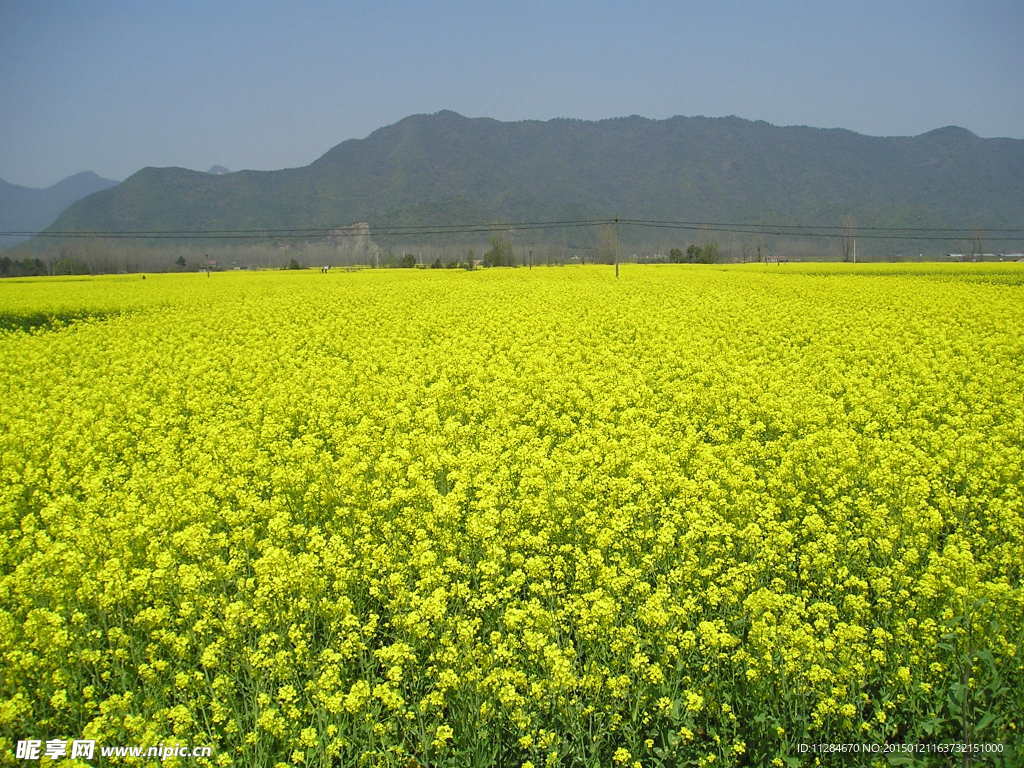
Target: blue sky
{"points": [[116, 86]]}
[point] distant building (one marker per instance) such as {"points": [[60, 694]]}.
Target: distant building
{"points": [[984, 256]]}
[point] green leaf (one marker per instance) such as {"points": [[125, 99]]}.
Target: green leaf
{"points": [[896, 758], [985, 721]]}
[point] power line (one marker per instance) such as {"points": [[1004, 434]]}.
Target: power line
{"points": [[832, 235], [416, 230], [845, 227], [335, 231], [304, 235]]}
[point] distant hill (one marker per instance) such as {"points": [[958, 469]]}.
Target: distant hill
{"points": [[30, 209], [448, 168]]}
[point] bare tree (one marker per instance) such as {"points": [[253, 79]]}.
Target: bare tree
{"points": [[849, 241], [977, 245], [607, 244]]}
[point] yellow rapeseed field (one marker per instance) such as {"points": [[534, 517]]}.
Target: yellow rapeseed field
{"points": [[697, 516]]}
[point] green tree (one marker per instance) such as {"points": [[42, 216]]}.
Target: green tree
{"points": [[710, 253], [70, 265], [293, 264], [20, 268], [675, 256], [180, 261], [500, 253], [702, 254], [408, 261]]}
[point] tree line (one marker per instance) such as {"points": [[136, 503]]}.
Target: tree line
{"points": [[695, 254]]}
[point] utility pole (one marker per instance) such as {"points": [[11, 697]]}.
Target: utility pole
{"points": [[531, 258], [855, 249], [616, 247]]}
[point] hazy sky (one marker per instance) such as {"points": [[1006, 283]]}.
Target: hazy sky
{"points": [[116, 86]]}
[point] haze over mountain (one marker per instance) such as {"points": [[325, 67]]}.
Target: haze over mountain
{"points": [[26, 209], [446, 168]]}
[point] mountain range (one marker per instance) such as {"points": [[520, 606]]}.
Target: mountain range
{"points": [[27, 209], [447, 168]]}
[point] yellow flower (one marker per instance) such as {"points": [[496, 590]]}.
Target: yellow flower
{"points": [[442, 736], [565, 505]]}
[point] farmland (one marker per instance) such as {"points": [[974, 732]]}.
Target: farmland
{"points": [[696, 516]]}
